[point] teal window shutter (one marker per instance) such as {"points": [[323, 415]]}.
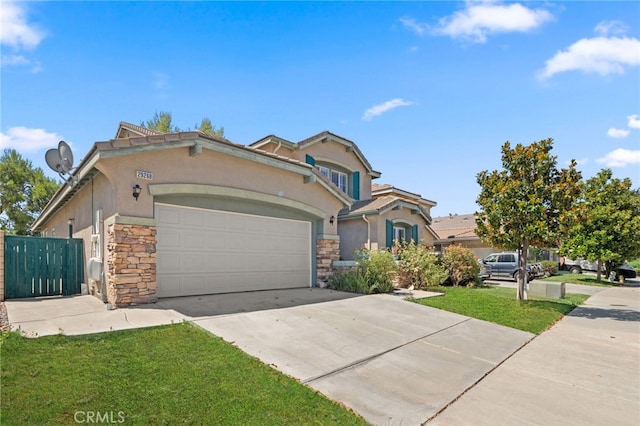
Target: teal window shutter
{"points": [[414, 234], [389, 234], [355, 177], [310, 160]]}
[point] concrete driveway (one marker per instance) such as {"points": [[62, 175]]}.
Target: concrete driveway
{"points": [[392, 361]]}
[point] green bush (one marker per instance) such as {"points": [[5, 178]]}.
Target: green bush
{"points": [[549, 267], [419, 267], [462, 265], [351, 281], [379, 270], [635, 264]]}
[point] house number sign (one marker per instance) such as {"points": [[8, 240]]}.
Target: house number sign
{"points": [[141, 174]]}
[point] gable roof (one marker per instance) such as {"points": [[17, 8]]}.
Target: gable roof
{"points": [[455, 227], [324, 136], [195, 141], [386, 189], [126, 130], [381, 205]]}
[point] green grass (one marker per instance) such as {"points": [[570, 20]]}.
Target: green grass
{"points": [[499, 305], [176, 374], [579, 279]]}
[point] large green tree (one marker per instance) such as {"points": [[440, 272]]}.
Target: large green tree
{"points": [[24, 191], [609, 227], [162, 121], [528, 203]]}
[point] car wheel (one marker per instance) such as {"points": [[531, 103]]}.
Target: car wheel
{"points": [[575, 270], [516, 276]]}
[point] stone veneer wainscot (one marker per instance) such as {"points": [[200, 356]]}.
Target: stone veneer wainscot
{"points": [[131, 278], [327, 250]]}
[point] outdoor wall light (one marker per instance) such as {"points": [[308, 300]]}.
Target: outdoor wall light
{"points": [[332, 219], [136, 191]]}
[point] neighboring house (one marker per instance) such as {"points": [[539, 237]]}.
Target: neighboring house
{"points": [[460, 229], [391, 214], [188, 213]]}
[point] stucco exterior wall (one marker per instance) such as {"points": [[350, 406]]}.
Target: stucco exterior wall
{"points": [[353, 237], [209, 168], [337, 153]]}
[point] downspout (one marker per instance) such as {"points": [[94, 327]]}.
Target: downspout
{"points": [[277, 147], [364, 217]]}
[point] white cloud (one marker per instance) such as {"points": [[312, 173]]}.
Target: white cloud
{"points": [[600, 55], [605, 28], [384, 107], [620, 158], [617, 133], [413, 25], [15, 31], [479, 19], [633, 122], [24, 139]]}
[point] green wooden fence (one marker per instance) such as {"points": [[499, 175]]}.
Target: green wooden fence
{"points": [[36, 266]]}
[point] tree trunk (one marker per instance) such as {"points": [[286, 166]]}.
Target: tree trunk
{"points": [[522, 266], [599, 271]]}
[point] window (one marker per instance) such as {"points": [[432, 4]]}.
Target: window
{"points": [[399, 233], [338, 178]]}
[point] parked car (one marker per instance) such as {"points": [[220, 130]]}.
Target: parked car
{"points": [[507, 265], [578, 265]]}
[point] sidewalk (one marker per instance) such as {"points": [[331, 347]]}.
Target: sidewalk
{"points": [[584, 371]]}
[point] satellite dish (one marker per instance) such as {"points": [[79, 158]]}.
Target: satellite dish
{"points": [[52, 157], [66, 156], [61, 160]]}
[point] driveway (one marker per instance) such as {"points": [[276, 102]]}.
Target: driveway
{"points": [[392, 361]]}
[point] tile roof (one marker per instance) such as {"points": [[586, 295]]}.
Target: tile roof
{"points": [[367, 206], [455, 226], [142, 131]]}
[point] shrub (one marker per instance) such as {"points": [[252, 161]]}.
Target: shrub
{"points": [[461, 264], [549, 267], [419, 266], [635, 264], [351, 281], [379, 270]]}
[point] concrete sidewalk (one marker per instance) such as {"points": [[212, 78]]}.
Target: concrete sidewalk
{"points": [[583, 371], [73, 315]]}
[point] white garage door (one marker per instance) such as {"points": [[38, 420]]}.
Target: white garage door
{"points": [[203, 251]]}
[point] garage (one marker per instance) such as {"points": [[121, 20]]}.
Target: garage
{"points": [[201, 251]]}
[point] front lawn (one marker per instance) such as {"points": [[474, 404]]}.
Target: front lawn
{"points": [[177, 374], [499, 305]]}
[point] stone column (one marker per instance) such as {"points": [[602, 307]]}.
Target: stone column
{"points": [[131, 264], [327, 250]]}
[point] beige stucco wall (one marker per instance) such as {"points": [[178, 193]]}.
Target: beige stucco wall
{"points": [[336, 153], [207, 168]]}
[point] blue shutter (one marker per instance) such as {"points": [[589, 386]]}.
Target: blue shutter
{"points": [[355, 184], [389, 234], [414, 234], [310, 160]]}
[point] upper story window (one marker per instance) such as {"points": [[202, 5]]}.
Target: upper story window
{"points": [[338, 178]]}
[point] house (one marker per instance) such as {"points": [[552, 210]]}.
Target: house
{"points": [[189, 213], [460, 229], [391, 214]]}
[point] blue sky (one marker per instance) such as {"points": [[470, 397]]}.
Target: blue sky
{"points": [[428, 90]]}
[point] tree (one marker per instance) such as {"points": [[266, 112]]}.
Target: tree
{"points": [[162, 122], [609, 227], [529, 202], [207, 127], [24, 191]]}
